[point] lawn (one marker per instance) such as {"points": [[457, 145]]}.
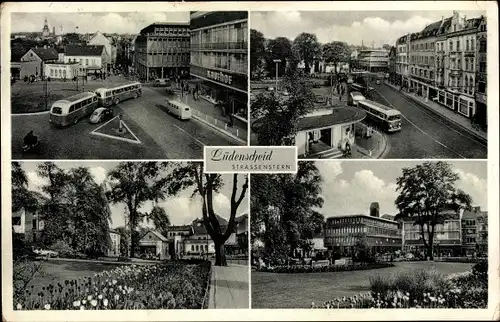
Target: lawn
{"points": [[271, 290]]}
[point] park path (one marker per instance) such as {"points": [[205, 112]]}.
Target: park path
{"points": [[229, 287]]}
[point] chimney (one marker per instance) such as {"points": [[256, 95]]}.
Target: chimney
{"points": [[374, 209]]}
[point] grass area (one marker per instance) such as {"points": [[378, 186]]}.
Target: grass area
{"points": [[32, 102], [112, 128], [298, 290]]}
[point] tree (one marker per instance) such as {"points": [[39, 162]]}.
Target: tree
{"points": [[257, 51], [308, 49], [279, 48], [386, 47], [284, 204], [71, 39], [22, 197], [205, 186], [160, 219], [426, 192], [135, 183], [278, 118], [336, 52]]}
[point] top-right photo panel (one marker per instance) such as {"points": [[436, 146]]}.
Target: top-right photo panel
{"points": [[370, 84]]}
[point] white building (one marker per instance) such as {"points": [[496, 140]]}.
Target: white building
{"points": [[92, 59], [61, 70], [154, 243]]}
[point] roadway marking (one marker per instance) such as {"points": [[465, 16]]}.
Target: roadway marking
{"points": [[433, 116], [94, 132], [418, 128], [201, 143]]}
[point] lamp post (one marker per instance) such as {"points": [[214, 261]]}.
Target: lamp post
{"points": [[277, 61]]}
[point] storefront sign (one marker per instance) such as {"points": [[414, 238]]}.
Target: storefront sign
{"points": [[220, 77]]}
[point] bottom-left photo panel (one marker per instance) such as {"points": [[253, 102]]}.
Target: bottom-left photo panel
{"points": [[128, 235]]}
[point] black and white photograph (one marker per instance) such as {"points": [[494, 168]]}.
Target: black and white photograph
{"points": [[117, 85], [370, 84], [128, 236], [360, 234]]}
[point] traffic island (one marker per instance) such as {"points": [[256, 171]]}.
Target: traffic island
{"points": [[116, 129], [373, 147]]}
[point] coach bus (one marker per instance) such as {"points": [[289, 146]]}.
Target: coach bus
{"points": [[114, 95], [72, 109], [179, 109], [387, 118]]}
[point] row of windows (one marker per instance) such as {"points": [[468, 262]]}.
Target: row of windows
{"points": [[85, 62], [199, 248], [228, 33], [58, 73], [170, 31], [467, 86], [470, 240], [448, 225], [352, 240], [469, 45], [360, 220], [79, 105], [422, 46], [165, 59], [422, 72], [450, 235], [229, 61], [469, 222], [423, 60]]}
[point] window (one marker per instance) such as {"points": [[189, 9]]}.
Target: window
{"points": [[472, 44], [192, 247], [467, 44], [451, 45], [458, 45]]}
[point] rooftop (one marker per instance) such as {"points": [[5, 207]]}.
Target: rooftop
{"points": [[46, 53], [77, 50], [336, 116], [361, 216]]}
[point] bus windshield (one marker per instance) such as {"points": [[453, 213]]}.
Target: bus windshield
{"points": [[56, 110], [394, 118]]}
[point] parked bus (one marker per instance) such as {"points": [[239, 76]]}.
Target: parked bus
{"points": [[72, 109], [114, 95], [388, 118], [179, 109]]}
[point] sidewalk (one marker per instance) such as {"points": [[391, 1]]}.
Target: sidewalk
{"points": [[445, 112], [374, 147], [212, 116], [229, 287]]}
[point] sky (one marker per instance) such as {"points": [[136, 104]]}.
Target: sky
{"points": [[350, 187], [182, 209], [105, 22], [380, 27]]}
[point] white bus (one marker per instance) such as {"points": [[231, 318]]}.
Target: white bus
{"points": [[73, 109], [388, 118], [179, 109], [114, 95]]}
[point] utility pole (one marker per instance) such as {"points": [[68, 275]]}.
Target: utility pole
{"points": [[277, 61], [45, 88]]}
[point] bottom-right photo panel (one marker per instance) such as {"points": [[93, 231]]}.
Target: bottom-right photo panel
{"points": [[364, 234]]}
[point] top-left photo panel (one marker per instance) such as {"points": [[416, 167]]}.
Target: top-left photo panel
{"points": [[114, 85]]}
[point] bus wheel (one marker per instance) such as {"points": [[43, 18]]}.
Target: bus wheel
{"points": [[75, 120]]}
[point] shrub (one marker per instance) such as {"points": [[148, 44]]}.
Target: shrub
{"points": [[481, 268], [318, 269], [62, 248]]}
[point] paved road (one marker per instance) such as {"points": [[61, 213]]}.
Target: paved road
{"points": [[424, 134], [162, 136]]}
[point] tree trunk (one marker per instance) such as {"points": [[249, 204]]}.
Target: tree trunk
{"points": [[131, 249], [220, 254]]}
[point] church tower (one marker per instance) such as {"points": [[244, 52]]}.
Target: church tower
{"points": [[46, 31]]}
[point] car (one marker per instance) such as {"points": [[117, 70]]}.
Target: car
{"points": [[356, 97], [159, 82], [270, 88], [101, 114], [46, 253]]}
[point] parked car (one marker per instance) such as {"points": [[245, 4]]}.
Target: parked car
{"points": [[101, 114], [46, 253], [160, 82]]}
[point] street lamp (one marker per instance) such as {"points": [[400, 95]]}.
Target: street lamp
{"points": [[277, 61]]}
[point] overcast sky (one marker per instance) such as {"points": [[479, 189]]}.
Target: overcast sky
{"points": [[105, 22], [380, 27], [350, 187], [181, 209]]}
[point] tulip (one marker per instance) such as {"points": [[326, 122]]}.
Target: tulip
{"points": [[93, 302], [47, 306], [105, 302], [19, 306], [76, 303]]}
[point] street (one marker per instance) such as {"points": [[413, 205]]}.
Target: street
{"points": [[426, 135], [162, 136]]}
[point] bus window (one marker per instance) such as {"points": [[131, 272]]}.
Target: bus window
{"points": [[72, 108], [56, 110], [393, 118]]}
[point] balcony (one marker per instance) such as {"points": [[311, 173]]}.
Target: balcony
{"points": [[239, 45]]}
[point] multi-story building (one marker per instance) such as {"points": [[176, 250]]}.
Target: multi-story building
{"points": [[219, 59], [162, 50], [34, 60], [460, 71], [392, 65], [474, 231], [441, 59], [92, 59], [481, 74], [447, 236], [99, 39], [374, 60], [115, 237], [402, 58], [343, 232]]}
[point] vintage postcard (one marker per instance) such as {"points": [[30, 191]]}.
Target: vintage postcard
{"points": [[247, 161]]}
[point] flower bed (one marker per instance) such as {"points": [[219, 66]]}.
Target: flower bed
{"points": [[459, 259], [168, 286], [421, 289], [318, 269]]}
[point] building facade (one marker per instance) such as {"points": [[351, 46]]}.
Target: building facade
{"points": [[115, 237], [447, 236], [392, 65], [219, 59], [474, 231], [34, 60], [27, 223], [154, 244], [460, 71], [162, 50], [374, 60], [62, 70], [402, 58], [343, 232], [92, 59], [481, 75], [98, 39]]}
